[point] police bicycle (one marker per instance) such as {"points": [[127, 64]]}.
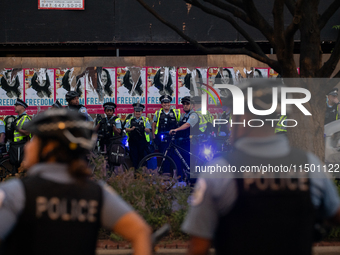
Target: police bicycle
{"points": [[5, 166], [161, 161], [95, 158]]}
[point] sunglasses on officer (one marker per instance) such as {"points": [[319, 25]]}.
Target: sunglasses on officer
{"points": [[186, 103]]}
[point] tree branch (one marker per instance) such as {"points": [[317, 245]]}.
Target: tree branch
{"points": [[260, 23], [294, 26], [291, 6], [328, 13], [279, 23], [228, 18], [232, 9], [237, 3], [272, 63], [329, 66]]}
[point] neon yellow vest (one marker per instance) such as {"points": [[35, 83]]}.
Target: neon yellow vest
{"points": [[147, 136], [203, 121], [279, 126], [177, 113], [17, 135]]}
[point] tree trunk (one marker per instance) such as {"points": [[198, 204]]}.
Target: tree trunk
{"points": [[309, 133]]}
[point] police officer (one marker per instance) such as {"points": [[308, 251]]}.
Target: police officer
{"points": [[138, 129], [257, 212], [188, 125], [20, 134], [203, 122], [164, 120], [72, 98], [109, 126], [332, 106], [57, 209]]}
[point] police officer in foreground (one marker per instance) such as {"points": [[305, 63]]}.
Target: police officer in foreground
{"points": [[20, 134], [188, 125], [164, 120], [138, 129], [72, 98], [57, 209], [256, 213], [109, 126], [332, 106]]}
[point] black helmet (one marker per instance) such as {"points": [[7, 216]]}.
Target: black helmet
{"points": [[185, 99], [57, 104], [68, 127], [70, 95]]}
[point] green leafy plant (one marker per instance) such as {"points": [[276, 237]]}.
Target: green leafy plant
{"points": [[146, 191]]}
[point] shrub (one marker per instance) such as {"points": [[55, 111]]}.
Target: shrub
{"points": [[147, 192]]}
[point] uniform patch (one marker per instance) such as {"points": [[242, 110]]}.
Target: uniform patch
{"points": [[117, 121], [192, 117], [2, 197], [83, 110], [199, 192]]}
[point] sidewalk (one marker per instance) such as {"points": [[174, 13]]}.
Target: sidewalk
{"points": [[317, 250], [108, 247]]}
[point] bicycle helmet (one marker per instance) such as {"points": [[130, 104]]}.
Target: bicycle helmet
{"points": [[185, 99], [70, 128], [70, 95]]}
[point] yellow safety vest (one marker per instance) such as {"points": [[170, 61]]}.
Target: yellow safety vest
{"points": [[18, 137], [147, 136], [279, 126], [177, 113], [203, 121]]}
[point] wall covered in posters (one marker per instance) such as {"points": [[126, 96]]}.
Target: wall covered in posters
{"points": [[123, 85]]}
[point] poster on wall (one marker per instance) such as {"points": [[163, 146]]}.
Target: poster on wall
{"points": [[256, 72], [11, 86], [63, 81], [100, 86], [219, 75], [161, 81], [66, 80], [39, 86], [130, 85], [191, 81]]}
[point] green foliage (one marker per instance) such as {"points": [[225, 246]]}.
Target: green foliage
{"points": [[147, 192]]}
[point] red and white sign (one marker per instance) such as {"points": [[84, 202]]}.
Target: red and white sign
{"points": [[61, 4]]}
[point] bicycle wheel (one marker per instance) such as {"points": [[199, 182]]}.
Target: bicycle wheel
{"points": [[162, 164], [5, 168]]}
